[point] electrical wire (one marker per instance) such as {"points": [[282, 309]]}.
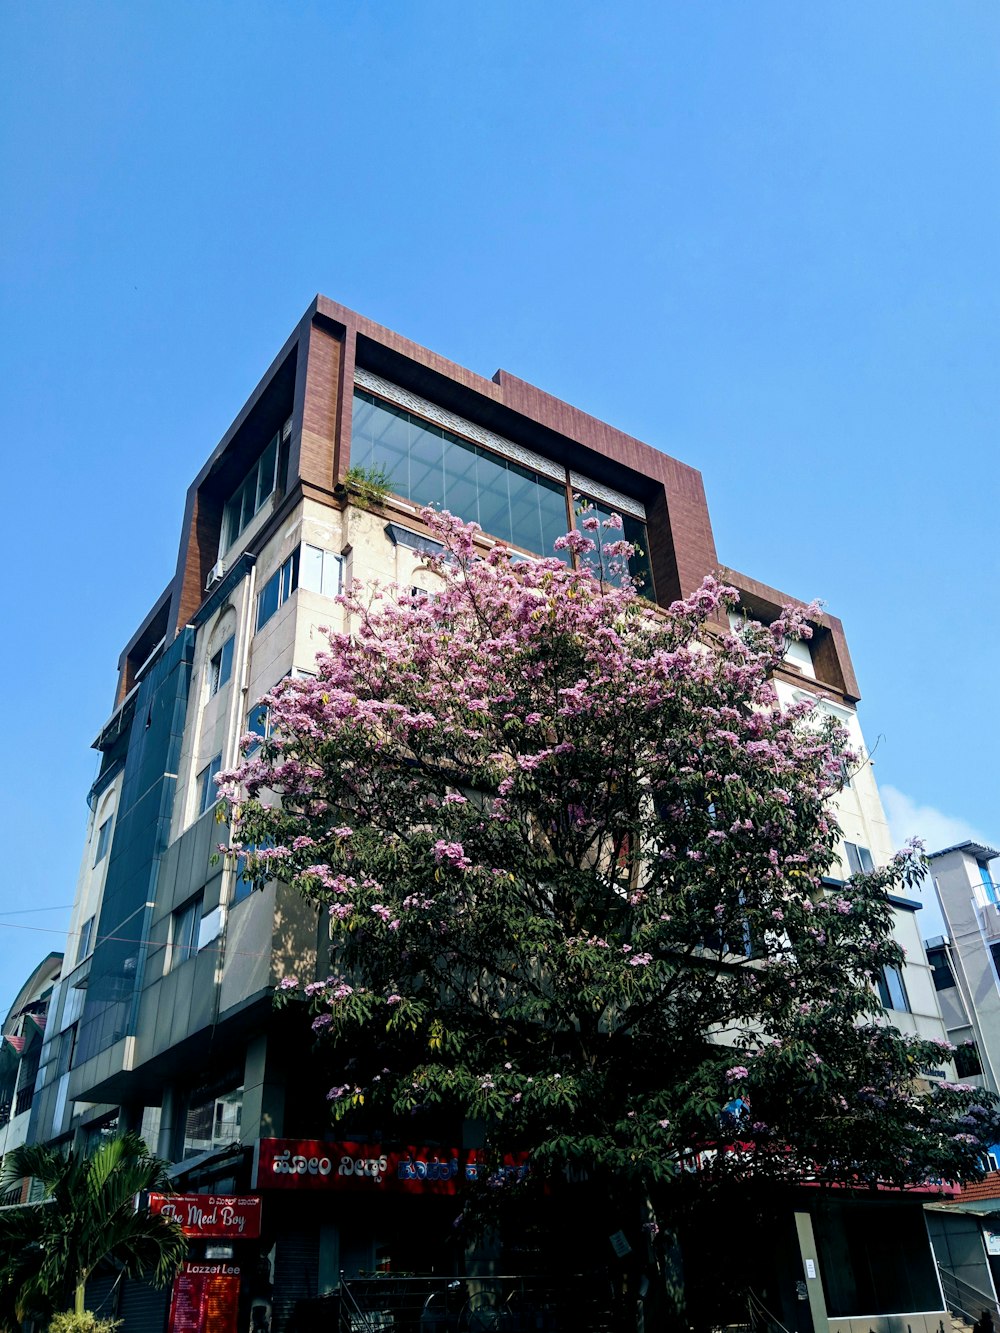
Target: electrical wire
{"points": [[150, 944], [26, 911]]}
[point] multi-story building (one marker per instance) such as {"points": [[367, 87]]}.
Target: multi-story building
{"points": [[163, 1019], [966, 960], [21, 1039], [966, 970]]}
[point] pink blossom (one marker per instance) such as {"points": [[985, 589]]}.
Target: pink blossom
{"points": [[451, 853]]}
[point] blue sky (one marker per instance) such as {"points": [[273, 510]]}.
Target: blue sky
{"points": [[763, 237]]}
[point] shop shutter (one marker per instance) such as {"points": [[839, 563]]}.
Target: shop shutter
{"points": [[296, 1270], [144, 1308], [101, 1296]]}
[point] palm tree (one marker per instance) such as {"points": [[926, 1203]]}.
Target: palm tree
{"points": [[49, 1249]]}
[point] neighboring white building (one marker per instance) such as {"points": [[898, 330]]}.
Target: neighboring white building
{"points": [[907, 994], [966, 960]]}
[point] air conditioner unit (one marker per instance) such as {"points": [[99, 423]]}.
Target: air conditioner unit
{"points": [[215, 575]]}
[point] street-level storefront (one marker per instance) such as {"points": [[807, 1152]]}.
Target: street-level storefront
{"points": [[215, 1291]]}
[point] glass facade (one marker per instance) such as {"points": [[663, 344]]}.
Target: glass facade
{"points": [[140, 836], [429, 465]]}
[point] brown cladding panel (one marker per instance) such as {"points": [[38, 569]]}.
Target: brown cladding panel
{"points": [[682, 553], [830, 654], [200, 553], [311, 457]]}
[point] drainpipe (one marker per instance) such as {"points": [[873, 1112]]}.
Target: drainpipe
{"points": [[234, 730]]}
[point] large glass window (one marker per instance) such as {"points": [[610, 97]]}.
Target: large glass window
{"points": [[86, 934], [251, 493], [429, 465], [944, 978]]}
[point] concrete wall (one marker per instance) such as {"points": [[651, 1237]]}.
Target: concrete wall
{"points": [[859, 811], [972, 923]]}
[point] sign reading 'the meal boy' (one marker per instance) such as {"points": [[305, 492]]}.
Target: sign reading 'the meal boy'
{"points": [[229, 1216]]}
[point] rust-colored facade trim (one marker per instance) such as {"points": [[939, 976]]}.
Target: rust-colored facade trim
{"points": [[830, 654], [312, 378]]}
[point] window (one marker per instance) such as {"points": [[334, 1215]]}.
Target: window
{"points": [[941, 969], [184, 931], [988, 885], [244, 884], [892, 990], [221, 666], [319, 571], [212, 1122], [243, 887], [429, 465], [634, 532], [209, 927], [208, 793], [99, 1132], [277, 590], [967, 1061], [251, 493], [258, 724], [859, 859], [103, 840], [86, 932], [413, 541]]}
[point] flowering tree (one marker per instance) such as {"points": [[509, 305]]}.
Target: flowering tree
{"points": [[572, 852]]}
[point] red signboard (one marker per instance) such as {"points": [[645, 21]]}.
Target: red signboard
{"points": [[230, 1216], [205, 1299], [310, 1164]]}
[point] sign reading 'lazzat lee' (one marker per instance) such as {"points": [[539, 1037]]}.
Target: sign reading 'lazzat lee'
{"points": [[310, 1164]]}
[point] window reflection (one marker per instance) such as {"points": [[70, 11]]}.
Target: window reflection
{"points": [[428, 465]]}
